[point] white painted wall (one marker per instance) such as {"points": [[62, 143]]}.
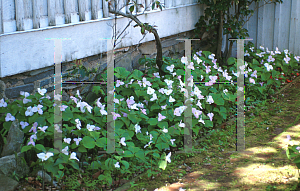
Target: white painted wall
{"points": [[23, 51]]}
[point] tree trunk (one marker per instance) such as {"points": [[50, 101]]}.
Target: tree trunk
{"points": [[230, 50], [159, 60], [220, 33]]}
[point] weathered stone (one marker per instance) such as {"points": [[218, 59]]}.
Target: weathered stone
{"points": [[65, 97], [8, 165], [148, 48], [2, 90], [169, 42], [39, 71], [50, 89], [47, 177], [39, 76], [125, 62], [7, 183], [15, 91], [44, 82], [14, 139], [135, 61]]}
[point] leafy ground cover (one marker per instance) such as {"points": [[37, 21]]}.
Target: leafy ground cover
{"points": [[265, 168], [216, 166]]}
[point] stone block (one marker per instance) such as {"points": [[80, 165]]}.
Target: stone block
{"points": [[14, 92], [7, 183], [50, 89], [8, 165], [135, 60], [2, 90], [169, 42], [38, 77], [14, 139], [125, 62], [44, 82], [148, 48]]}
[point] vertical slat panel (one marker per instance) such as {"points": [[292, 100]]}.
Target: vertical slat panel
{"points": [[97, 11], [268, 24], [70, 11], [139, 9], [148, 5], [162, 2], [123, 5], [177, 3], [251, 25], [293, 27], [60, 12], [28, 22], [105, 9], [282, 24], [297, 37], [20, 15], [44, 14], [168, 3], [36, 16], [260, 31], [51, 13], [84, 11], [1, 19]]}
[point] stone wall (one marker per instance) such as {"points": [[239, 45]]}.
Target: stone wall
{"points": [[127, 57]]}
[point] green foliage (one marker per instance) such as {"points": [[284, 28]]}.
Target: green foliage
{"points": [[149, 145]]}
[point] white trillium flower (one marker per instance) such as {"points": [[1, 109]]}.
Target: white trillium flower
{"points": [[29, 111], [57, 97], [171, 99], [57, 128], [201, 120], [122, 141], [150, 91], [43, 128], [73, 156], [225, 91], [168, 82], [184, 60], [90, 127], [252, 80], [212, 56], [277, 51], [172, 141], [24, 124], [67, 140], [65, 150], [42, 91], [78, 125], [165, 130], [170, 68], [269, 67], [3, 103], [137, 129], [168, 157], [77, 140], [117, 165], [181, 124], [168, 92], [9, 117], [210, 115], [241, 89], [154, 97], [287, 59], [119, 83], [210, 100], [44, 156]]}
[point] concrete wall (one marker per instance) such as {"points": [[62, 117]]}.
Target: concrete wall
{"points": [[126, 57], [32, 49]]}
